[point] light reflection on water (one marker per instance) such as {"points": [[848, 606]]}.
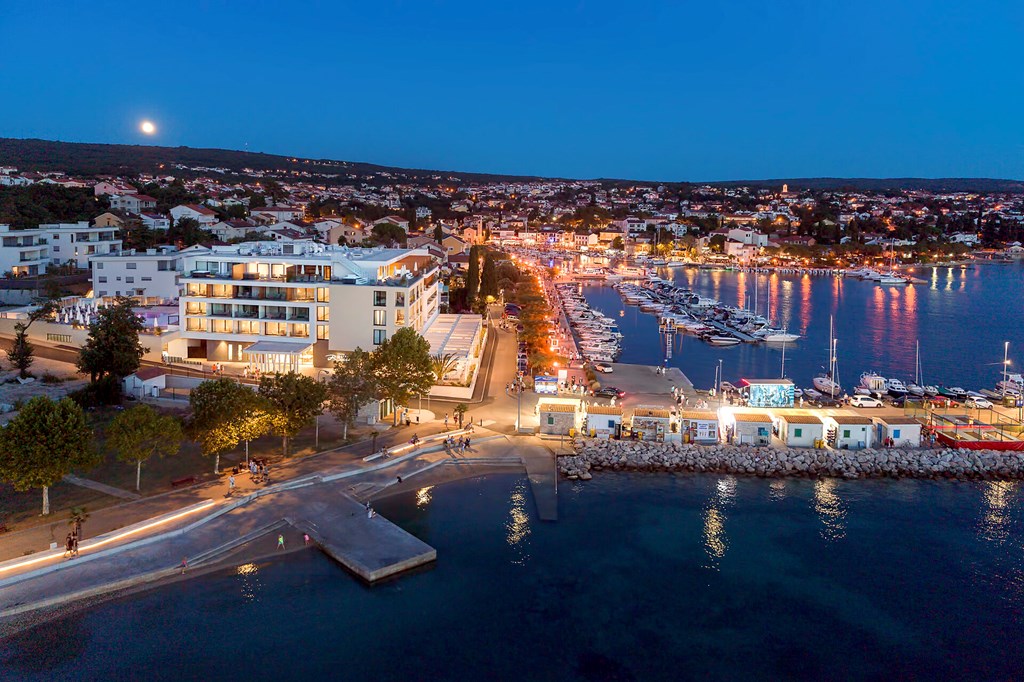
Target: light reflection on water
{"points": [[830, 508], [249, 579], [423, 496], [517, 528], [777, 490], [716, 542], [995, 520]]}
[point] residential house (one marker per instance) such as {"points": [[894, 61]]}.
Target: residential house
{"points": [[197, 212]]}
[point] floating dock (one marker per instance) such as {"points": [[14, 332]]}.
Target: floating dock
{"points": [[372, 548]]}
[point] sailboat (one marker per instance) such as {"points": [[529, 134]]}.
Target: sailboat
{"points": [[829, 383], [916, 388], [892, 278], [770, 335]]}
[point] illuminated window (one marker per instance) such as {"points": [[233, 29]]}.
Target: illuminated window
{"points": [[380, 318]]}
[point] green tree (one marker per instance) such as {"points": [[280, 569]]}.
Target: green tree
{"points": [[351, 386], [460, 412], [113, 346], [189, 232], [441, 365], [294, 400], [438, 234], [141, 432], [617, 244], [388, 233], [21, 354], [224, 414], [45, 443], [403, 367], [473, 275], [489, 278]]}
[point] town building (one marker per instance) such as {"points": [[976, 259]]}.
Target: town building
{"points": [[800, 430], [848, 431], [651, 423], [132, 203], [559, 419], [288, 305], [699, 426], [23, 253], [201, 214], [75, 243], [746, 428], [604, 421], [150, 275]]}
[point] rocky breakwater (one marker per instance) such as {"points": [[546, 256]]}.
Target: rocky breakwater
{"points": [[596, 455]]}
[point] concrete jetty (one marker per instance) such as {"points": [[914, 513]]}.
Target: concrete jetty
{"points": [[371, 547]]}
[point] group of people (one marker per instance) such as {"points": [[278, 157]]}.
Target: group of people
{"points": [[259, 472], [461, 445], [71, 545], [250, 371]]}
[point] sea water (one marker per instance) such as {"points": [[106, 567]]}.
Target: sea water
{"points": [[643, 577]]}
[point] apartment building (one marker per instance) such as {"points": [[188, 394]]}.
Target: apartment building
{"points": [[23, 253], [288, 305], [77, 242], [150, 275]]}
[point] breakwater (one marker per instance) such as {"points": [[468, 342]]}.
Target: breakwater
{"points": [[596, 455]]}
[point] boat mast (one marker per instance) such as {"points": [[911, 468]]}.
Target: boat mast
{"points": [[783, 376]]}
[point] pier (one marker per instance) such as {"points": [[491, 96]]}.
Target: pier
{"points": [[370, 547]]}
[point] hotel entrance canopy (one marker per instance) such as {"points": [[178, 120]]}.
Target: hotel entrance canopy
{"points": [[277, 356]]}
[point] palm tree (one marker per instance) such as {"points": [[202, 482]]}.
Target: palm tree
{"points": [[442, 364]]}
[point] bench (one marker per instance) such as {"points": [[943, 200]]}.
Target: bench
{"points": [[184, 480]]}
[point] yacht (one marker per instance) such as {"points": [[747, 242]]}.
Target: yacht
{"points": [[723, 340], [892, 279], [896, 388], [825, 384], [914, 389], [931, 391], [873, 383]]}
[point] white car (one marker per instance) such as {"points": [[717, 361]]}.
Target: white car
{"points": [[980, 403], [603, 367], [865, 401]]}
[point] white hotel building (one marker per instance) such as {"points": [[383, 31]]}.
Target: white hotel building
{"points": [[283, 306], [29, 252]]}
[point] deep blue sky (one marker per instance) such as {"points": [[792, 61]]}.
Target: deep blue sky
{"points": [[653, 90]]}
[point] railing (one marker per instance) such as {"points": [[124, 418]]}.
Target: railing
{"points": [[59, 338]]}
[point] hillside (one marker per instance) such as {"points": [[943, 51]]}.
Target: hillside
{"points": [[89, 159]]}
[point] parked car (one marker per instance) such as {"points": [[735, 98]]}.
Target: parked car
{"points": [[865, 401], [609, 392], [603, 367], [980, 403]]}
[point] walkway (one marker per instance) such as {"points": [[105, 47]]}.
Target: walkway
{"points": [[101, 487]]}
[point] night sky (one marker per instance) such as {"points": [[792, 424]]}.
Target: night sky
{"points": [[648, 90]]}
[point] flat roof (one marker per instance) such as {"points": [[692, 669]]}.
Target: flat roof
{"points": [[849, 419], [453, 333], [651, 412], [780, 382], [898, 419], [754, 417], [699, 414], [604, 409], [280, 347], [801, 418], [556, 407]]}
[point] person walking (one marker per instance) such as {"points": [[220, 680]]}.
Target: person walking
{"points": [[184, 564], [280, 541], [231, 485], [305, 538], [445, 421]]}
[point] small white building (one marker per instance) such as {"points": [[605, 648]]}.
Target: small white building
{"points": [[699, 426], [848, 431], [801, 430], [559, 419], [200, 214], [746, 428], [604, 421], [147, 382], [151, 275], [652, 423], [904, 431]]}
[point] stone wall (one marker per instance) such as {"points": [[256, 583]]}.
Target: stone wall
{"points": [[596, 455]]}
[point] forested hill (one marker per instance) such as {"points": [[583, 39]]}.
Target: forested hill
{"points": [[90, 159]]}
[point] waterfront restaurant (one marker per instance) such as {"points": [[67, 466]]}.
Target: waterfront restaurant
{"points": [[604, 421]]}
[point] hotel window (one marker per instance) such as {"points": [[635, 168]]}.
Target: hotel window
{"points": [[380, 298], [129, 280], [103, 280], [323, 295], [380, 318], [379, 336], [400, 299], [275, 329], [131, 266], [321, 331], [323, 313], [400, 318], [99, 266]]}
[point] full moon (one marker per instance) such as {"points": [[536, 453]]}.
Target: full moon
{"points": [[147, 127]]}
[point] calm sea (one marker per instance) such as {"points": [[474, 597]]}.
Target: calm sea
{"points": [[644, 577], [961, 317]]}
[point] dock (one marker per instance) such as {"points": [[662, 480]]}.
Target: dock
{"points": [[543, 476], [372, 548], [746, 338]]}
